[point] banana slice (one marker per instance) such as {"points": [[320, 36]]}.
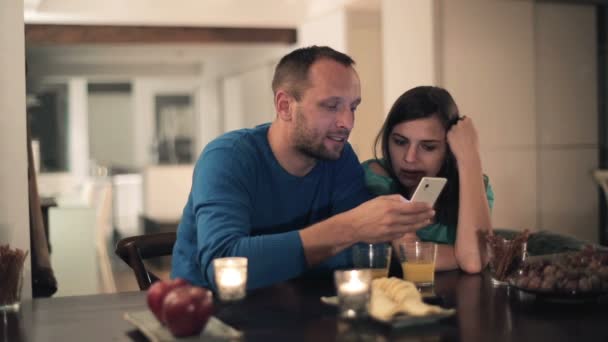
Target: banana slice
{"points": [[391, 296], [381, 306]]}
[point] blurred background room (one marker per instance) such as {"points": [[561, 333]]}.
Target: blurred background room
{"points": [[122, 96]]}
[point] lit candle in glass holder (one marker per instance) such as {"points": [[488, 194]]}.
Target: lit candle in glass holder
{"points": [[231, 277], [353, 287]]}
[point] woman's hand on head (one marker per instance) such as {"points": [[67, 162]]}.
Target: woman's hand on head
{"points": [[463, 141]]}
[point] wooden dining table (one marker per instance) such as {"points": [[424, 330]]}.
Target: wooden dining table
{"points": [[293, 311]]}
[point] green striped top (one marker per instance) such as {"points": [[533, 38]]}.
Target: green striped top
{"points": [[436, 232]]}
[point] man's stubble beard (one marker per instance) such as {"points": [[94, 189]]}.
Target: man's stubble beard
{"points": [[305, 141]]}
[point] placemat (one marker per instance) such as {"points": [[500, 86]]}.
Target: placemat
{"points": [[215, 330]]}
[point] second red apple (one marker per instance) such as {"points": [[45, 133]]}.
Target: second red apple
{"points": [[157, 293]]}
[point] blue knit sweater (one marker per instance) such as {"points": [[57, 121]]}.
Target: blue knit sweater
{"points": [[243, 203]]}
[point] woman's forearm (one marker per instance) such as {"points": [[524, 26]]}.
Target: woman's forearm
{"points": [[473, 217], [446, 259]]}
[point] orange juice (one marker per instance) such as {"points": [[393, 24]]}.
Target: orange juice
{"points": [[420, 273], [379, 272]]}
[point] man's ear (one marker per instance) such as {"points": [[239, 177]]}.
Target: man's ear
{"points": [[283, 103]]}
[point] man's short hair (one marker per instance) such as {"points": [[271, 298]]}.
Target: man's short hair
{"points": [[292, 70]]}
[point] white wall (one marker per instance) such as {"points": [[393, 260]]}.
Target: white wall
{"points": [[410, 55], [257, 95], [364, 44], [232, 104], [78, 137], [210, 121], [567, 134], [14, 215], [258, 13], [328, 29], [111, 128], [247, 98], [488, 65], [526, 73], [144, 127]]}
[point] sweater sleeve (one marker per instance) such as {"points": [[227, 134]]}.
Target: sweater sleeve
{"points": [[222, 203], [348, 192]]}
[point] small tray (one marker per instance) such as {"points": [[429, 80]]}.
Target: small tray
{"points": [[402, 320], [215, 330]]}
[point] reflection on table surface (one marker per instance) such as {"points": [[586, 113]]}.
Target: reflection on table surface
{"points": [[293, 310]]}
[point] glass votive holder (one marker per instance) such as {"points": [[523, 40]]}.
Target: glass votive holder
{"points": [[231, 278], [504, 257], [11, 277], [354, 289]]}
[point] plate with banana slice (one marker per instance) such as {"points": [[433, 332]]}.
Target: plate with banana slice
{"points": [[399, 303]]}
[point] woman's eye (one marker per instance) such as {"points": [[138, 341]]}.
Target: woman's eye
{"points": [[429, 147], [399, 142]]}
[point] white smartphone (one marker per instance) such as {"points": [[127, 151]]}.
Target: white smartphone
{"points": [[429, 189]]}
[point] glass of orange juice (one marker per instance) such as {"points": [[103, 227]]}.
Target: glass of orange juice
{"points": [[418, 262], [375, 257]]}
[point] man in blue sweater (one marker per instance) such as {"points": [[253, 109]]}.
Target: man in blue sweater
{"points": [[290, 195]]}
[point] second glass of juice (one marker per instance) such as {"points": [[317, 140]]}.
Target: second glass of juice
{"points": [[418, 262]]}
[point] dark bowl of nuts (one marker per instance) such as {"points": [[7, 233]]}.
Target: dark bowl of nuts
{"points": [[572, 275]]}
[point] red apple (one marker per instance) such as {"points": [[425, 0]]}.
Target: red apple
{"points": [[186, 310], [157, 293]]}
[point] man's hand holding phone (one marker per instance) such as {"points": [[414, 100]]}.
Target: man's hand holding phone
{"points": [[386, 218], [428, 191]]}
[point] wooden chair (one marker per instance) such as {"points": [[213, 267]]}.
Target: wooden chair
{"points": [[134, 250], [44, 282]]}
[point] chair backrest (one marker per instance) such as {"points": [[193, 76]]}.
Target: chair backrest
{"points": [[134, 250]]}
